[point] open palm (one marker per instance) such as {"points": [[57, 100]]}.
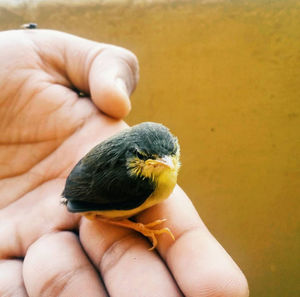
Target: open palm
{"points": [[45, 128]]}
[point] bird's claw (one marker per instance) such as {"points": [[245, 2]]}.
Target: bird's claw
{"points": [[156, 222], [146, 230]]}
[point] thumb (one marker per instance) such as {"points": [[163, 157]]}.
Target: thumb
{"points": [[112, 78]]}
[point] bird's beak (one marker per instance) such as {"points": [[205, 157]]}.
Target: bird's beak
{"points": [[165, 161]]}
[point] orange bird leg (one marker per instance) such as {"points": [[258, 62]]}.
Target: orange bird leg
{"points": [[145, 229]]}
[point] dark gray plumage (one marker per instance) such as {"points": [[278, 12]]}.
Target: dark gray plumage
{"points": [[102, 180]]}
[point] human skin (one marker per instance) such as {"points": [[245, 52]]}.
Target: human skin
{"points": [[45, 128]]}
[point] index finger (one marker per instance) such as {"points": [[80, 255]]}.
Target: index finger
{"points": [[199, 264]]}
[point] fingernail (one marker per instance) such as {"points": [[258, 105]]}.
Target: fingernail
{"points": [[122, 86]]}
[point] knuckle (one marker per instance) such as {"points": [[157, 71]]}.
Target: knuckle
{"points": [[54, 277], [116, 252], [48, 238], [57, 282], [126, 57]]}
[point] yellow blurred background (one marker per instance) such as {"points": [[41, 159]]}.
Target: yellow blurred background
{"points": [[225, 77]]}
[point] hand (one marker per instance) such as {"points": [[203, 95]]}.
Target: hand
{"points": [[45, 128]]}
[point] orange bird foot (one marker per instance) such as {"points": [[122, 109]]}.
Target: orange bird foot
{"points": [[146, 229]]}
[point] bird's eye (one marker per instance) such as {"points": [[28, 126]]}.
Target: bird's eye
{"points": [[141, 156]]}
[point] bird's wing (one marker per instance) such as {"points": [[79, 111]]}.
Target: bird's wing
{"points": [[106, 187]]}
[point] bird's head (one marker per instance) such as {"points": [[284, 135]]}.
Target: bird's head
{"points": [[153, 151]]}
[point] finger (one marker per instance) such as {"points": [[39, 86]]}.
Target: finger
{"points": [[62, 268], [108, 73], [197, 261], [35, 214], [11, 278], [41, 205], [123, 259]]}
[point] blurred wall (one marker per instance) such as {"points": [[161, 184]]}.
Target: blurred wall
{"points": [[225, 77]]}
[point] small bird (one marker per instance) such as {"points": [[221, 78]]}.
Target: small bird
{"points": [[124, 175]]}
